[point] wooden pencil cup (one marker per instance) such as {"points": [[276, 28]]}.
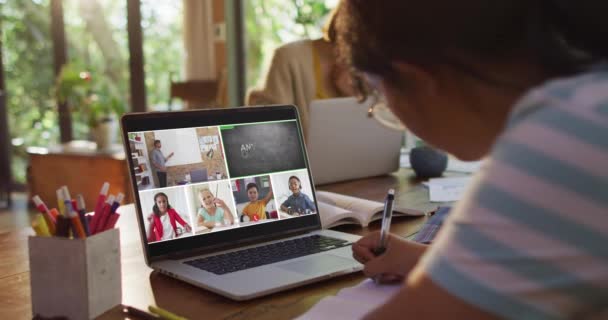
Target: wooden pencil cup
{"points": [[75, 278]]}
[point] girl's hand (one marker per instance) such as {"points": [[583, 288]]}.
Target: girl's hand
{"points": [[219, 202], [394, 264]]}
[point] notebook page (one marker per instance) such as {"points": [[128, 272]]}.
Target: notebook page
{"points": [[447, 189], [352, 303]]}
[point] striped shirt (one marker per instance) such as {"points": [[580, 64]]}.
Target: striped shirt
{"points": [[530, 238]]}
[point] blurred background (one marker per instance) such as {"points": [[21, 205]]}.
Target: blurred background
{"points": [[69, 67]]}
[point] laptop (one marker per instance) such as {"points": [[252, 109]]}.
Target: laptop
{"points": [[241, 244], [345, 144]]}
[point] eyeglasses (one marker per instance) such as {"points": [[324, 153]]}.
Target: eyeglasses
{"points": [[380, 111], [377, 109]]}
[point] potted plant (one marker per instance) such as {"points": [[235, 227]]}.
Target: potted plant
{"points": [[94, 101]]}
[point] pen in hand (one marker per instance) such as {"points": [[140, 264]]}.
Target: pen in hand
{"points": [[386, 224]]}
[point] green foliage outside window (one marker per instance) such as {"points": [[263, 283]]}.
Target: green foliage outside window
{"points": [[28, 54], [96, 35], [271, 23], [28, 65]]}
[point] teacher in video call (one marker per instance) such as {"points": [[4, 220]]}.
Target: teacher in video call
{"points": [[158, 161]]}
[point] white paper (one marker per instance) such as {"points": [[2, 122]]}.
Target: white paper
{"points": [[447, 189], [455, 165], [352, 303]]}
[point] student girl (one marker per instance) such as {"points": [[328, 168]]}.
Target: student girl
{"points": [[524, 84], [213, 211], [162, 222]]}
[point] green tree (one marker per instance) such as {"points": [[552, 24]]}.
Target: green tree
{"points": [[163, 48], [97, 41], [29, 77]]}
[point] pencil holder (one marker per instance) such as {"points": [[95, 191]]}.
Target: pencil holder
{"points": [[75, 278]]}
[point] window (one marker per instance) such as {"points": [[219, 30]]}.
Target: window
{"points": [[271, 23], [29, 75], [163, 49], [97, 43]]}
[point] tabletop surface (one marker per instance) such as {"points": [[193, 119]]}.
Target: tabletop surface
{"points": [[142, 287]]}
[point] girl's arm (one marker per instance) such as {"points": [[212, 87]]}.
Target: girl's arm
{"points": [[229, 213], [309, 204], [151, 234], [208, 224], [268, 196], [182, 221]]}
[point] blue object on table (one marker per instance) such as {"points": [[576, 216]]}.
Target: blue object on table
{"points": [[428, 162], [427, 233]]}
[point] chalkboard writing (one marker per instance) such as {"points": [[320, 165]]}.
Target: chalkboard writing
{"points": [[262, 148]]}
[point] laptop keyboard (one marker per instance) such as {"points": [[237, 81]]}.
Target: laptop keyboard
{"points": [[271, 253]]}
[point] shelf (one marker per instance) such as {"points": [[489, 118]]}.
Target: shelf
{"points": [[135, 141], [143, 185]]}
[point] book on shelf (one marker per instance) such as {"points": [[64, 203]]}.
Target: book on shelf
{"points": [[338, 209]]}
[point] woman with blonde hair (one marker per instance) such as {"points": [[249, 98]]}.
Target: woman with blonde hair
{"points": [[303, 71]]}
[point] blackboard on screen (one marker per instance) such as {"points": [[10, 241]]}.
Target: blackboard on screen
{"points": [[264, 148]]}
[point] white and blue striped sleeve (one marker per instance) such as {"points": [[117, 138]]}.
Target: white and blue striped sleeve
{"points": [[530, 238]]}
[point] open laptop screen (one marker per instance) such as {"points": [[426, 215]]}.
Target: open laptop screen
{"points": [[210, 178]]}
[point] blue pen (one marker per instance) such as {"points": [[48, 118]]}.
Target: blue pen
{"points": [[386, 225], [386, 222], [116, 203]]}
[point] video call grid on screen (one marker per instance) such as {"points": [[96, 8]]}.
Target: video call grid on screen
{"points": [[220, 162]]}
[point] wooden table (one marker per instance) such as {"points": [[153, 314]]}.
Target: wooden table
{"points": [[142, 287]]}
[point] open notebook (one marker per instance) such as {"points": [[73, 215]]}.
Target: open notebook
{"points": [[337, 209]]}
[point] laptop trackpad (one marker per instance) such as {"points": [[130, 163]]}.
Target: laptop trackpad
{"points": [[317, 264]]}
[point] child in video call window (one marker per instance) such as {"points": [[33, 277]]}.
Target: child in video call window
{"points": [[213, 211], [163, 221], [298, 203], [255, 206]]}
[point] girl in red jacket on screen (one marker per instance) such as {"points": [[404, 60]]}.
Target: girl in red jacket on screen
{"points": [[163, 221]]}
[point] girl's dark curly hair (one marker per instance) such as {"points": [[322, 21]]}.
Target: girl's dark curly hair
{"points": [[562, 36]]}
